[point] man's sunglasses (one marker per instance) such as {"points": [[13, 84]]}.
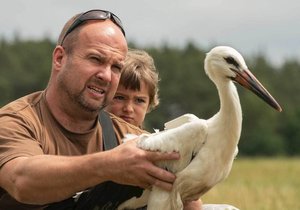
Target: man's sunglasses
{"points": [[94, 15]]}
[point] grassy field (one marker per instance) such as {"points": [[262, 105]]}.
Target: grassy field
{"points": [[260, 184]]}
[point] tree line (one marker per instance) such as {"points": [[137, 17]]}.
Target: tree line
{"points": [[184, 88]]}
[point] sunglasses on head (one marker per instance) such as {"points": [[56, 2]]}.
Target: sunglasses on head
{"points": [[94, 15]]}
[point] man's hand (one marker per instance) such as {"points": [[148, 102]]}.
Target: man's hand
{"points": [[135, 166]]}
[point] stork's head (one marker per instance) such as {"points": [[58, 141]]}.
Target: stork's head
{"points": [[225, 63]]}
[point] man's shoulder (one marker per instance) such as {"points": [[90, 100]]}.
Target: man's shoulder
{"points": [[22, 103], [22, 111]]}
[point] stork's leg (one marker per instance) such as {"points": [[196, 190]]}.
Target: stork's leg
{"points": [[161, 199]]}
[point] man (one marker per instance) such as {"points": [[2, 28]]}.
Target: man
{"points": [[51, 141]]}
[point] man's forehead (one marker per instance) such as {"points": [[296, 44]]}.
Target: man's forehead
{"points": [[107, 41]]}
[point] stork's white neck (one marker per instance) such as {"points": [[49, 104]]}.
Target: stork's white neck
{"points": [[229, 101], [228, 121]]}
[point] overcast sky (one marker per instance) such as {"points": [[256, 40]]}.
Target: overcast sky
{"points": [[271, 27]]}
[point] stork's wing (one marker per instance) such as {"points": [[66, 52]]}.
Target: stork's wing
{"points": [[180, 121], [186, 139]]}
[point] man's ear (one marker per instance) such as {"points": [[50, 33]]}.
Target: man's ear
{"points": [[58, 55]]}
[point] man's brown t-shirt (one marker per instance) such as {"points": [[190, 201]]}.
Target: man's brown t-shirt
{"points": [[28, 128]]}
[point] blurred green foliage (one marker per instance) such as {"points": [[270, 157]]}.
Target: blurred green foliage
{"points": [[184, 88]]}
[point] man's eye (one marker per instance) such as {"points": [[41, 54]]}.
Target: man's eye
{"points": [[96, 59], [117, 68]]}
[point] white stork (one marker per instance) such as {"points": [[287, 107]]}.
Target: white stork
{"points": [[207, 147]]}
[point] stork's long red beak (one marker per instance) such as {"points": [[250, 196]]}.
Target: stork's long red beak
{"points": [[249, 81]]}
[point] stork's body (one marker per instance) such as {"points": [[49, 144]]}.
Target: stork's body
{"points": [[207, 147]]}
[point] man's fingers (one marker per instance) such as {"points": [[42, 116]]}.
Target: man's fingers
{"points": [[161, 178], [159, 156], [154, 181], [163, 185]]}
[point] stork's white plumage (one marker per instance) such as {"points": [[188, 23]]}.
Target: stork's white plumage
{"points": [[207, 147]]}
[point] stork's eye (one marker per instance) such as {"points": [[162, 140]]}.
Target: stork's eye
{"points": [[232, 61]]}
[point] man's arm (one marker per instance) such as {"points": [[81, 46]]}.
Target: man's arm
{"points": [[45, 179]]}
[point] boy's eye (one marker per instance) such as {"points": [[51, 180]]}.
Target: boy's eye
{"points": [[140, 100], [120, 98]]}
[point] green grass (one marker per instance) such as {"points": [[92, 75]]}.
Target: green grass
{"points": [[260, 184]]}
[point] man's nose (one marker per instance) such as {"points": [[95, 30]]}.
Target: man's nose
{"points": [[105, 73]]}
